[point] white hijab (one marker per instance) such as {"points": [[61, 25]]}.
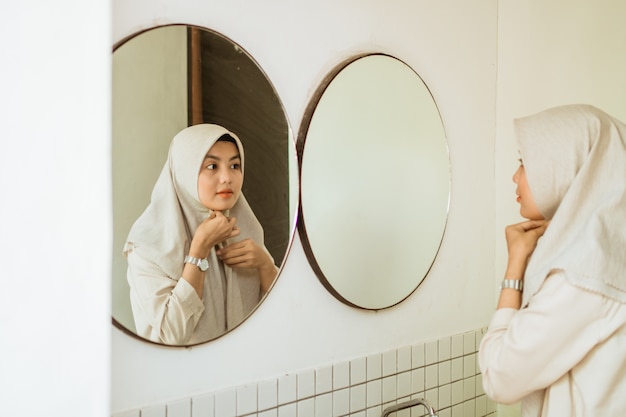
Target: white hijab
{"points": [[575, 162], [163, 233]]}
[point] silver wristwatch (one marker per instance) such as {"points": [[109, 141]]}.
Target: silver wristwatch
{"points": [[202, 263], [514, 284]]}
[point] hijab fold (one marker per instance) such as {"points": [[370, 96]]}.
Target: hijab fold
{"points": [[575, 162]]}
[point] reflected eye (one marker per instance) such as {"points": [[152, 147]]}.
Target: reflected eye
{"points": [[211, 166], [236, 166]]}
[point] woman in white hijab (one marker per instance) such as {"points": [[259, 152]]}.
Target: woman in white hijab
{"points": [[560, 345], [197, 264]]}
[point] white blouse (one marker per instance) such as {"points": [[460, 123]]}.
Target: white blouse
{"points": [[165, 310], [563, 355]]}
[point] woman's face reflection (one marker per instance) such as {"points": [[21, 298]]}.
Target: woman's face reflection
{"points": [[220, 178]]}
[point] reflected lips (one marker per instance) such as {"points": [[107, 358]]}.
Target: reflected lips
{"points": [[225, 193]]}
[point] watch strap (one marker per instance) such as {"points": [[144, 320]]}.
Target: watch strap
{"points": [[197, 262], [514, 284]]}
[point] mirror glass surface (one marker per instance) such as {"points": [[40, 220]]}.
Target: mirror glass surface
{"points": [[374, 181], [171, 77]]}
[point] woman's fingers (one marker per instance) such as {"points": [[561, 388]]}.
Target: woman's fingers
{"points": [[216, 228], [529, 225], [522, 237], [536, 224], [241, 253]]}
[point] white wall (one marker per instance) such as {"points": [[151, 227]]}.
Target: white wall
{"points": [[452, 45], [55, 226]]}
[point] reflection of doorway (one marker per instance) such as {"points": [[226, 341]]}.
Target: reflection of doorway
{"points": [[149, 107], [228, 88]]}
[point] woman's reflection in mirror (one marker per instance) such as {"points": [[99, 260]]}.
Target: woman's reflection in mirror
{"points": [[197, 263]]}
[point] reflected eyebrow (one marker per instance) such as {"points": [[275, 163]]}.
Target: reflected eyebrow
{"points": [[217, 158]]}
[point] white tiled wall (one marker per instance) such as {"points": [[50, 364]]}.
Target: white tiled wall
{"points": [[444, 372]]}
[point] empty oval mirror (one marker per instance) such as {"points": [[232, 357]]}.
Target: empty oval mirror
{"points": [[164, 80], [374, 181]]}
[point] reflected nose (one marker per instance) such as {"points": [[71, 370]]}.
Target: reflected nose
{"points": [[225, 176]]}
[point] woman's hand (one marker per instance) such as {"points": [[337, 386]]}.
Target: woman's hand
{"points": [[247, 254], [244, 254], [521, 240], [213, 230]]}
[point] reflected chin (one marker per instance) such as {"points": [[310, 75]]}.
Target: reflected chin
{"points": [[221, 204]]}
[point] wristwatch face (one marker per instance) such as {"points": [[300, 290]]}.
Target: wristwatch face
{"points": [[203, 265]]}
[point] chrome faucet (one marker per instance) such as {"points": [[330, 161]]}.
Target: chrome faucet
{"points": [[409, 404]]}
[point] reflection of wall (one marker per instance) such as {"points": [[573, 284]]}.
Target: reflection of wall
{"points": [[149, 107]]}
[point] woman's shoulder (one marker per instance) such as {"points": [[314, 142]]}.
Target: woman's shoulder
{"points": [[561, 291]]}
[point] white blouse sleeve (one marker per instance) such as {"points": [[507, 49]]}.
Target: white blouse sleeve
{"points": [[165, 310], [529, 349]]}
